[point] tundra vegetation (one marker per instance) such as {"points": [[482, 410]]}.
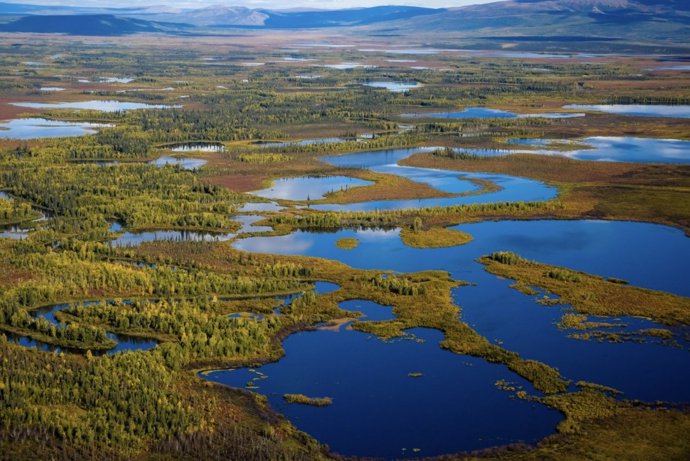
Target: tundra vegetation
{"points": [[79, 402]]}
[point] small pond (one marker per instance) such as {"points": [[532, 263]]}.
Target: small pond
{"points": [[309, 188], [36, 128], [248, 221], [182, 162], [395, 87], [485, 112], [348, 66], [196, 147], [656, 110], [136, 238]]}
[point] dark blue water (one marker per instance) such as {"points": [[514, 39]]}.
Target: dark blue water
{"points": [[648, 371], [323, 288], [378, 410], [371, 311], [124, 342]]}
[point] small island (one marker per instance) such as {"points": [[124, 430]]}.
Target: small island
{"points": [[304, 400], [437, 237], [347, 243]]}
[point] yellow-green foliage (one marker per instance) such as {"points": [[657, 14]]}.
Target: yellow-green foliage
{"points": [[572, 321], [581, 406], [15, 212], [347, 243], [435, 237], [591, 294], [304, 400], [427, 302], [262, 159]]}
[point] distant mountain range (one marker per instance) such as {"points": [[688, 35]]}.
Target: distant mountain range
{"points": [[92, 24], [649, 20]]}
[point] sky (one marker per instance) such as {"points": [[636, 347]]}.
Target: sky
{"points": [[273, 4]]}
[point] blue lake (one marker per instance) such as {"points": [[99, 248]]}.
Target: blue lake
{"points": [[103, 106], [248, 221], [309, 188], [260, 207], [644, 110], [184, 163], [136, 238], [608, 148], [648, 371], [36, 128], [484, 112], [514, 189], [378, 410]]}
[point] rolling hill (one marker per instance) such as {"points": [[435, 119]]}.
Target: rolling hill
{"points": [[659, 21]]}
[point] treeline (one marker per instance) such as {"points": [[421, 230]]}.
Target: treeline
{"points": [[649, 100], [125, 400], [86, 197], [199, 332], [395, 218], [64, 275]]}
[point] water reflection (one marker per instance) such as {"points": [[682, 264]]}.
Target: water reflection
{"points": [[36, 128], [395, 87], [309, 188], [656, 110], [649, 371], [136, 238], [609, 148], [485, 112], [103, 106], [182, 162]]}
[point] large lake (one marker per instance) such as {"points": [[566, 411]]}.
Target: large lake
{"points": [[379, 410]]}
